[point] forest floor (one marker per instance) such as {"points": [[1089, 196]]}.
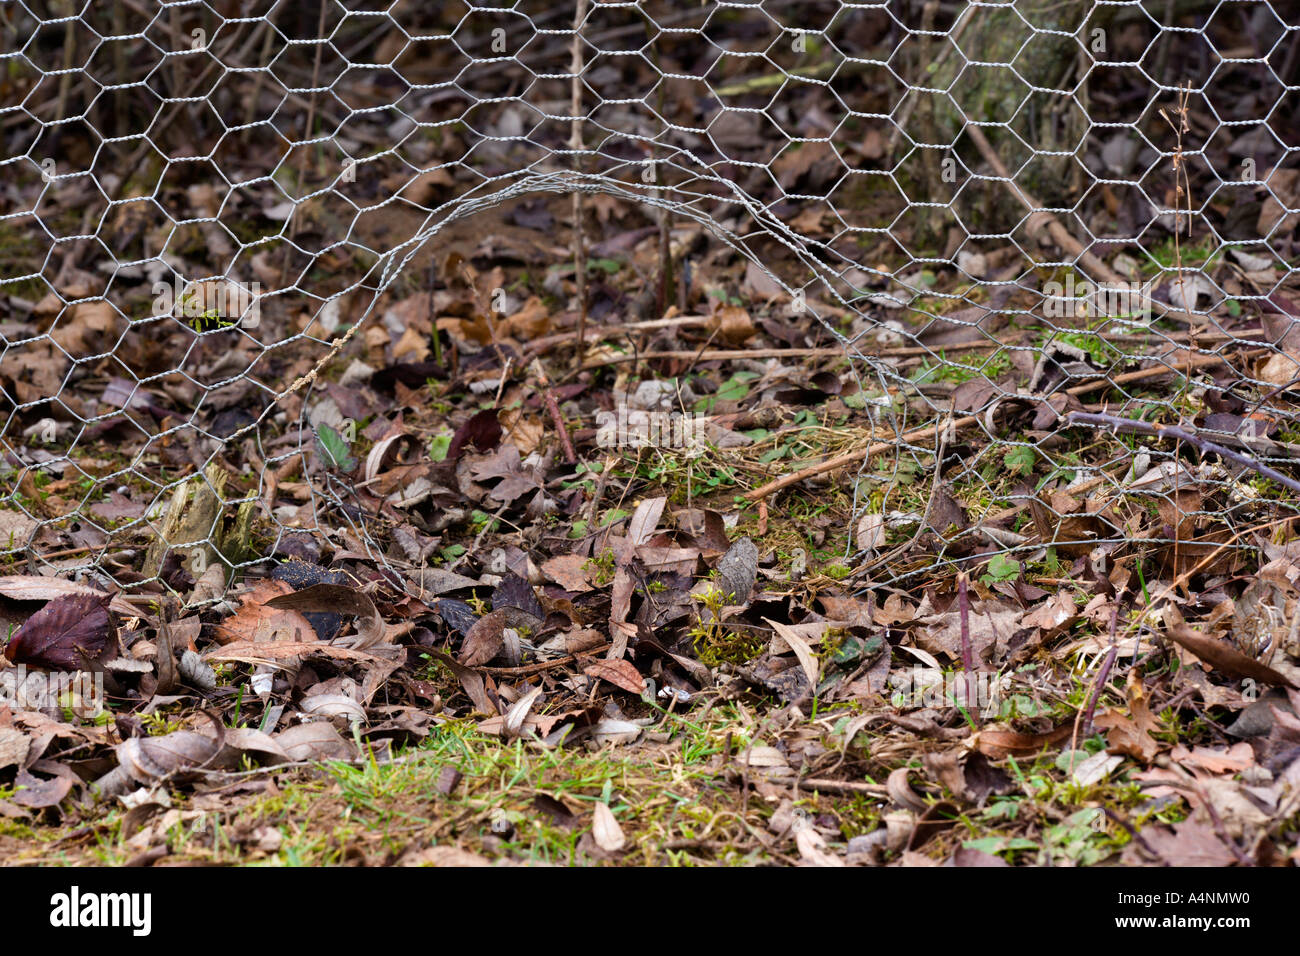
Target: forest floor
{"points": [[467, 647], [829, 543]]}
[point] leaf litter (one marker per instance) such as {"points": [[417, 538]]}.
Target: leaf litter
{"points": [[466, 583]]}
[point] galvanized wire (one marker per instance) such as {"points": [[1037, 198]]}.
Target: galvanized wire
{"points": [[265, 137]]}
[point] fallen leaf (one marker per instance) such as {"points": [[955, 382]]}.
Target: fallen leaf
{"points": [[254, 621], [620, 673], [1189, 843], [518, 712], [605, 829], [149, 760], [643, 523], [568, 571], [485, 639], [1225, 658], [64, 634], [340, 599], [1009, 743], [36, 587], [812, 848], [732, 324], [515, 482], [317, 740], [38, 793], [801, 649], [482, 430]]}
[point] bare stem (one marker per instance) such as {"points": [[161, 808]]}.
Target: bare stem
{"points": [[967, 655], [1179, 433], [1103, 675]]}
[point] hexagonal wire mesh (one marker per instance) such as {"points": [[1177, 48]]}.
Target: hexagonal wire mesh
{"points": [[1094, 195]]}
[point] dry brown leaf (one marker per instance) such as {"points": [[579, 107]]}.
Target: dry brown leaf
{"points": [[1189, 843], [35, 587], [148, 760], [568, 571], [337, 599], [620, 673], [519, 711], [255, 622], [642, 524], [317, 740], [485, 639], [732, 324], [39, 793], [605, 829], [1009, 743], [812, 848], [1233, 760], [1225, 658], [444, 856], [800, 647], [532, 321]]}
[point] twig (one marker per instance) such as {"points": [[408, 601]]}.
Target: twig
{"points": [[553, 407], [600, 489], [1103, 675], [1180, 192], [530, 669], [842, 787], [542, 345], [1220, 829], [1199, 361], [967, 655], [558, 419], [716, 355], [1179, 433], [335, 347], [849, 458], [1132, 832]]}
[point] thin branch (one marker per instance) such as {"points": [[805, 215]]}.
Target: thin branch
{"points": [[1179, 433], [852, 457]]}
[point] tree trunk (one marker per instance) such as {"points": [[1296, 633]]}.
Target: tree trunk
{"points": [[999, 65]]}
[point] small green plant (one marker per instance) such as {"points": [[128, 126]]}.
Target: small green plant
{"points": [[951, 370], [481, 520], [158, 724], [715, 644], [600, 570], [439, 445], [1001, 567], [336, 448], [1020, 460]]}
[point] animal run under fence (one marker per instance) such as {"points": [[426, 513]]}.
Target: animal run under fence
{"points": [[1042, 233]]}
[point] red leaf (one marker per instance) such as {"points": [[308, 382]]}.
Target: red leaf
{"points": [[482, 430], [619, 673], [63, 634]]}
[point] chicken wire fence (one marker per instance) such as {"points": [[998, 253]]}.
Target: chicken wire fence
{"points": [[1002, 213]]}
